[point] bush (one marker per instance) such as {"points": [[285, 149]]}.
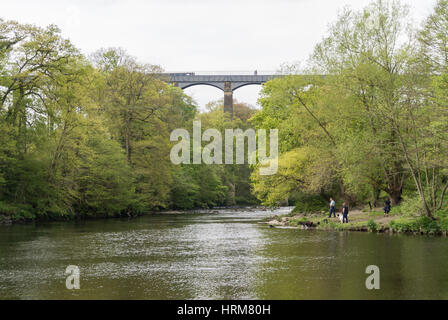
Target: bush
{"points": [[246, 200], [410, 206], [404, 225], [444, 224], [17, 211], [442, 213], [372, 225], [310, 204], [428, 225], [422, 224]]}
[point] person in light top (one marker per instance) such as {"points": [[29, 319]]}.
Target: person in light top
{"points": [[332, 209]]}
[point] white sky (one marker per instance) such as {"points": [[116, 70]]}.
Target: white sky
{"points": [[196, 35]]}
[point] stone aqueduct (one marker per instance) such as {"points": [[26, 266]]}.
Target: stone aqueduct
{"points": [[227, 83]]}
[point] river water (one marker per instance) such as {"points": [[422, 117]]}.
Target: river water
{"points": [[217, 254]]}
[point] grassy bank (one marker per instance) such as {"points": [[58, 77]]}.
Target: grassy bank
{"points": [[368, 221], [21, 213], [16, 213]]}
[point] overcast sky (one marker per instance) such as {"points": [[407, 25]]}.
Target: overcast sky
{"points": [[196, 35]]}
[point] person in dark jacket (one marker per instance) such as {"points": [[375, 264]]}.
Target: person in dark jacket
{"points": [[386, 207], [344, 213]]}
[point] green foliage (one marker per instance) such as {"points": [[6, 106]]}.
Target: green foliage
{"points": [[428, 225], [444, 224], [372, 225], [91, 138], [297, 222], [212, 192], [422, 224], [105, 180], [404, 225], [234, 179], [442, 213], [16, 212], [411, 206], [310, 204], [185, 188]]}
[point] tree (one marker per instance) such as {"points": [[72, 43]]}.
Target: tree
{"points": [[142, 110], [308, 161], [57, 157], [368, 53]]}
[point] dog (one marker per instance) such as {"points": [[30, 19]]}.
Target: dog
{"points": [[340, 217]]}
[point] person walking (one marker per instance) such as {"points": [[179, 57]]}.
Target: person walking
{"points": [[344, 213], [386, 207], [332, 209]]}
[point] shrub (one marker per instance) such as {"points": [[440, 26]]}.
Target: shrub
{"points": [[410, 206], [372, 225], [17, 211], [310, 204], [444, 224], [404, 225], [442, 213], [422, 224], [428, 225]]}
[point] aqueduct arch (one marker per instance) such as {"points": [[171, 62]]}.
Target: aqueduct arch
{"points": [[227, 83]]}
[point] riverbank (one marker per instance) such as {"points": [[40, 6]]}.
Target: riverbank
{"points": [[364, 221], [20, 217]]}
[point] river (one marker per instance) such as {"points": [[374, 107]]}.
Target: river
{"points": [[215, 254]]}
